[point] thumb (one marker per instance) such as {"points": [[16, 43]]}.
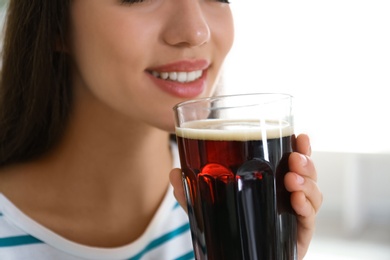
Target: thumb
{"points": [[175, 177]]}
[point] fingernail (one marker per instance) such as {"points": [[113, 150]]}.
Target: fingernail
{"points": [[300, 179], [303, 160]]}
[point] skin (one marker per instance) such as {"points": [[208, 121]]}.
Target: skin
{"points": [[184, 30], [102, 184], [104, 181]]}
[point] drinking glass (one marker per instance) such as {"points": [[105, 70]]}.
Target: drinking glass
{"points": [[234, 154]]}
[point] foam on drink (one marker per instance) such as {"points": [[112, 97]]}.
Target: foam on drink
{"points": [[234, 130]]}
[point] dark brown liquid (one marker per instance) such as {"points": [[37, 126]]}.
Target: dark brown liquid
{"points": [[237, 203]]}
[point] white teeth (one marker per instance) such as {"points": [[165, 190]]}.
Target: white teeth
{"points": [[179, 76], [192, 76], [182, 77], [173, 75]]}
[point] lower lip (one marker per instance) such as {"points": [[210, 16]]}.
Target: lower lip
{"points": [[183, 90]]}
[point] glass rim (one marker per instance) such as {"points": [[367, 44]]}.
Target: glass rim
{"points": [[214, 98]]}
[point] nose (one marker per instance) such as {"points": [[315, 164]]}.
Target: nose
{"points": [[187, 25]]}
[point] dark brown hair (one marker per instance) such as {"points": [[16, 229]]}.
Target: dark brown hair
{"points": [[35, 92]]}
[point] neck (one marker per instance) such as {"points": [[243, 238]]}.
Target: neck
{"points": [[113, 150], [134, 159], [108, 179]]}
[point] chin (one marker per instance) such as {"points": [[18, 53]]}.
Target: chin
{"points": [[165, 124], [168, 128]]}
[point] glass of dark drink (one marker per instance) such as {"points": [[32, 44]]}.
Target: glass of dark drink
{"points": [[234, 154]]}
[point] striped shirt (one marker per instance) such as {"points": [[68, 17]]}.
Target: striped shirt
{"points": [[166, 238]]}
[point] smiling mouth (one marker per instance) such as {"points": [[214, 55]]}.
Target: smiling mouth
{"points": [[178, 76]]}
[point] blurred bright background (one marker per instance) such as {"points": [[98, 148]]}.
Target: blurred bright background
{"points": [[334, 57]]}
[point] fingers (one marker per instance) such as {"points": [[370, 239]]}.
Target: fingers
{"points": [[306, 221], [303, 178], [303, 165], [178, 190], [302, 144], [306, 198]]}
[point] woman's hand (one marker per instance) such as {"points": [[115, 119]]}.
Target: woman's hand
{"points": [[178, 188], [306, 198]]}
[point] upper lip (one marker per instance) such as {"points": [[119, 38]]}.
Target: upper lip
{"points": [[182, 66]]}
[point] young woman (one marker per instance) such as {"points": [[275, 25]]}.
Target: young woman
{"points": [[86, 97]]}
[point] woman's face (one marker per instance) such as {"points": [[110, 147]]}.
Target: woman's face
{"points": [[140, 58]]}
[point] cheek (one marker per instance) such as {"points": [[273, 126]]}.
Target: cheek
{"points": [[107, 66], [222, 40], [106, 43], [225, 35], [222, 27]]}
